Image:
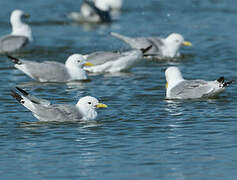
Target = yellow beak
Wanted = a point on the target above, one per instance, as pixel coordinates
(88, 64)
(187, 43)
(166, 85)
(100, 105)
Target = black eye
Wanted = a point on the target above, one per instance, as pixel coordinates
(89, 102)
(78, 61)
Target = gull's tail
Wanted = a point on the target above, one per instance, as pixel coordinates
(22, 91)
(14, 59)
(27, 100)
(22, 99)
(224, 83)
(17, 97)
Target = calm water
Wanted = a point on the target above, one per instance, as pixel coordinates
(140, 135)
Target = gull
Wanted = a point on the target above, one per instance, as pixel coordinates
(20, 35)
(161, 47)
(179, 88)
(52, 71)
(112, 62)
(84, 110)
(89, 13)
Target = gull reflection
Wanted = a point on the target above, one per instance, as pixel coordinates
(174, 108)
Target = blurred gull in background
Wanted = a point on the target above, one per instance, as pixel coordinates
(20, 35)
(89, 13)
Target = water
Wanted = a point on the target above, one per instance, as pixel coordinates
(141, 135)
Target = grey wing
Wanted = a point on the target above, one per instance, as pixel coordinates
(70, 112)
(11, 43)
(39, 100)
(156, 43)
(58, 112)
(136, 43)
(142, 43)
(45, 71)
(101, 57)
(191, 89)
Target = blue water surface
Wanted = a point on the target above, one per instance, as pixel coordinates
(140, 135)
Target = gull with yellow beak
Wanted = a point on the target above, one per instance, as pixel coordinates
(112, 62)
(84, 110)
(179, 88)
(162, 48)
(52, 71)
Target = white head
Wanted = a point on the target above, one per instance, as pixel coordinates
(173, 77)
(75, 60)
(19, 27)
(173, 42)
(74, 65)
(87, 106)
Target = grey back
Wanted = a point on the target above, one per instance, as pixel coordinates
(11, 43)
(191, 89)
(48, 71)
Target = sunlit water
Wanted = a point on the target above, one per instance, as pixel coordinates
(141, 135)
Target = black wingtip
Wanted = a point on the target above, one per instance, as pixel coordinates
(14, 59)
(17, 97)
(22, 91)
(144, 50)
(221, 79)
(228, 83)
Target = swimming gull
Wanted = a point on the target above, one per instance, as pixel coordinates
(20, 35)
(43, 110)
(51, 71)
(89, 13)
(179, 88)
(114, 61)
(161, 47)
